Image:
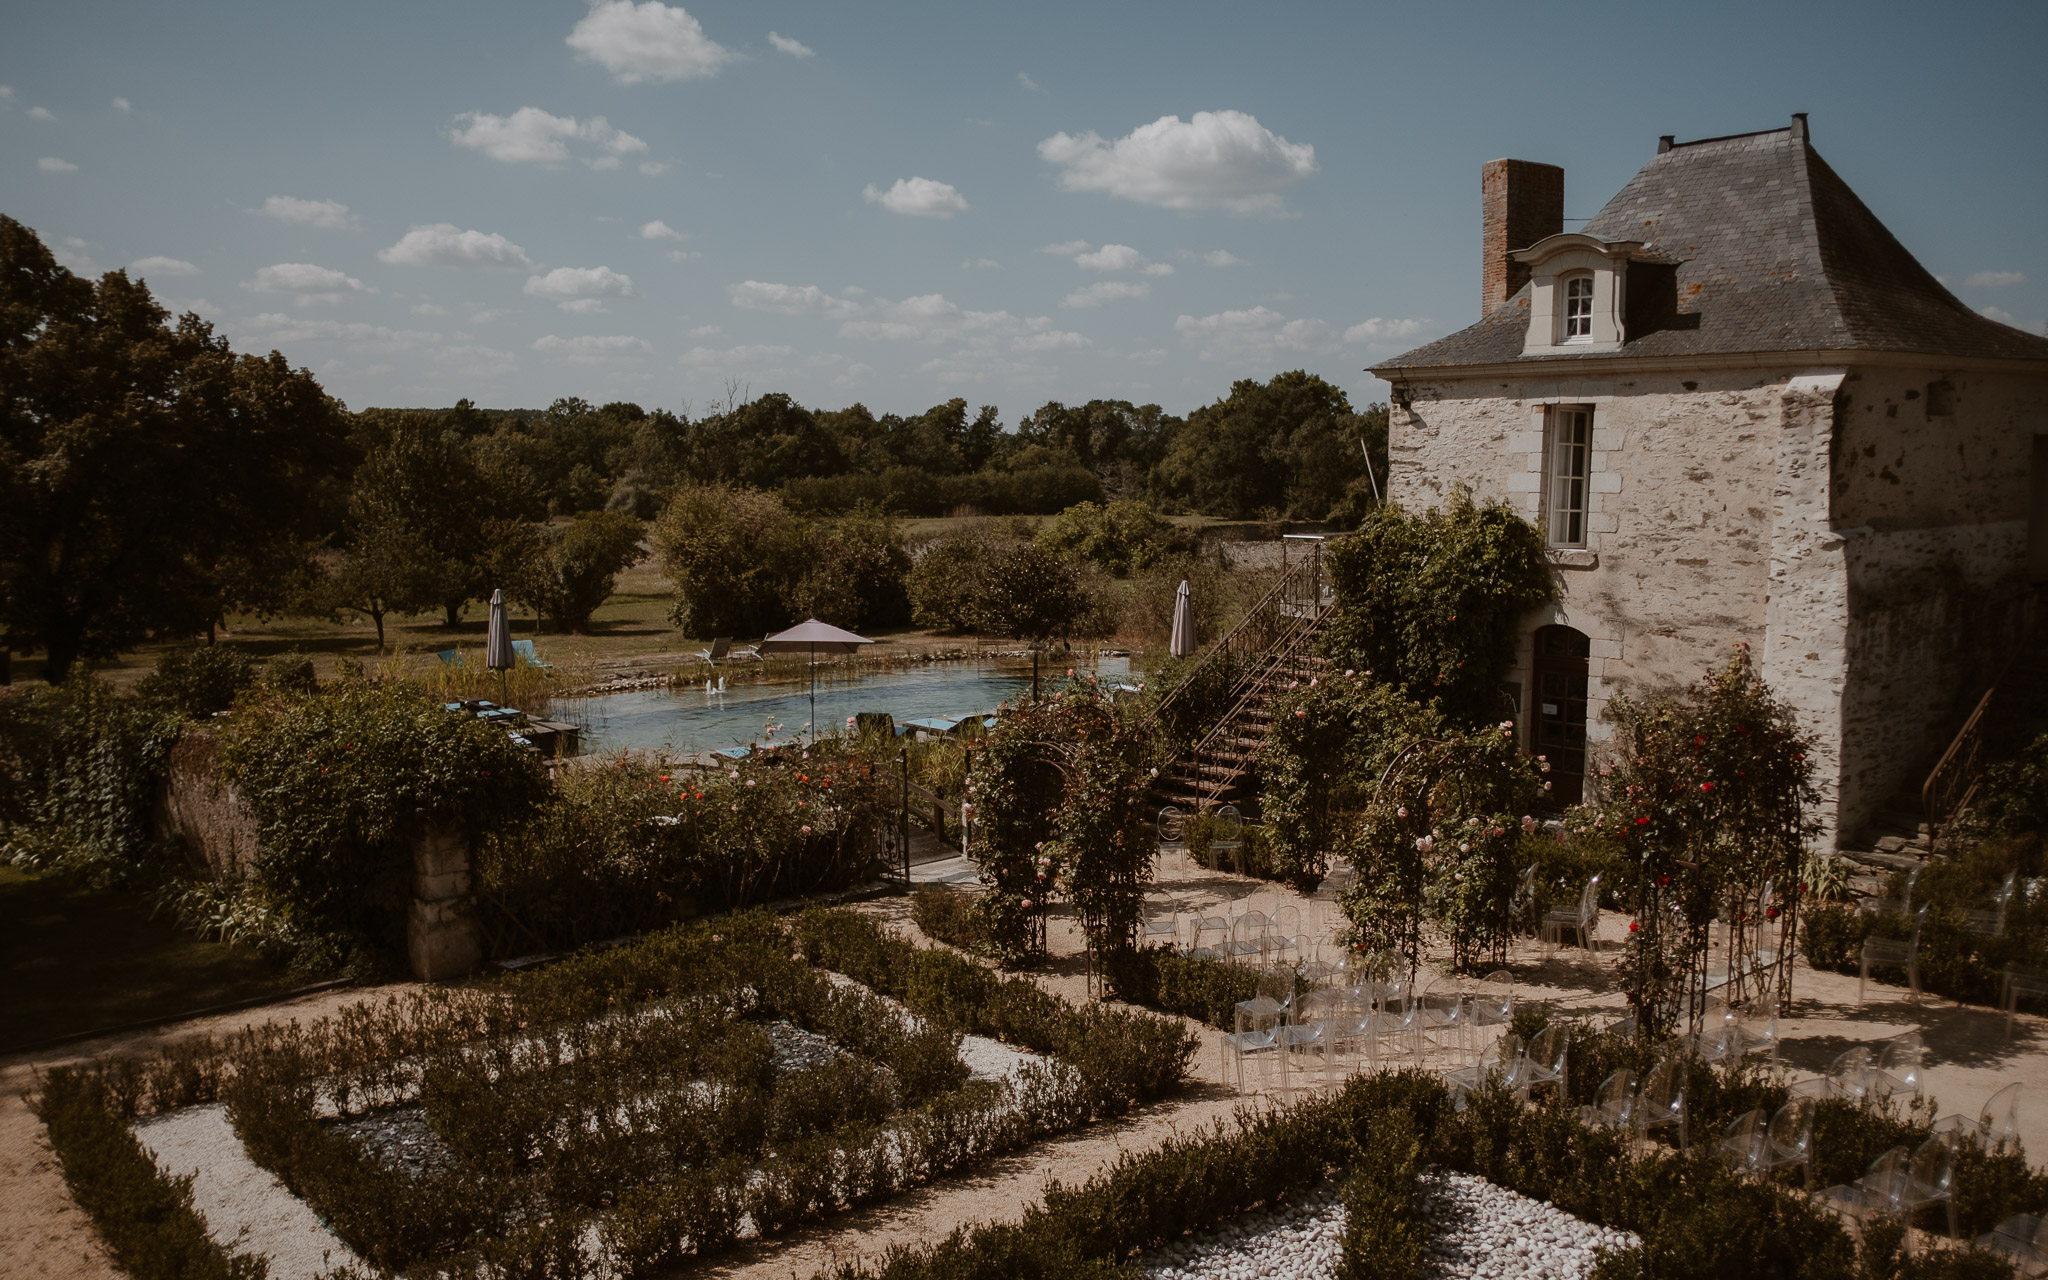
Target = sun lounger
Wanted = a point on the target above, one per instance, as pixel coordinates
(524, 649)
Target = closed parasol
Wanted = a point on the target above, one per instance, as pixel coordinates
(498, 655)
(1183, 623)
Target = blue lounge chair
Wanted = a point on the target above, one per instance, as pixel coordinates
(450, 658)
(524, 649)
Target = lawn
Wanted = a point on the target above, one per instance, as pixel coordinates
(79, 959)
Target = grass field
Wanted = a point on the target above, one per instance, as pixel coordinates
(74, 959)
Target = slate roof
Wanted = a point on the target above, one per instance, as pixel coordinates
(1772, 252)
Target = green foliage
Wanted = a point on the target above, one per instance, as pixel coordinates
(289, 672)
(729, 552)
(628, 844)
(417, 518)
(342, 783)
(1290, 445)
(79, 770)
(197, 681)
(1122, 538)
(913, 491)
(1440, 840)
(146, 1219)
(2012, 800)
(1432, 602)
(150, 477)
(948, 916)
(1384, 1229)
(1321, 763)
(998, 587)
(1709, 797)
(571, 570)
(1192, 986)
(854, 573)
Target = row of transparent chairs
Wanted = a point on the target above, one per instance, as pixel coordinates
(1757, 1142)
(1900, 1182)
(1659, 1103)
(1857, 1074)
(1323, 1021)
(2024, 1239)
(1518, 1067)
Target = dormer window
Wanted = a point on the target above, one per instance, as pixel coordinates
(1577, 286)
(1578, 309)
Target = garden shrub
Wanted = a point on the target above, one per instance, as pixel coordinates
(1384, 1230)
(197, 680)
(1193, 986)
(146, 1219)
(948, 916)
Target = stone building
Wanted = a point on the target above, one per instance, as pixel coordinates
(1740, 410)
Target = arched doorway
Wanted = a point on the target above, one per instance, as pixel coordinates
(1560, 671)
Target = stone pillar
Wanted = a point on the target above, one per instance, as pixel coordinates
(1804, 656)
(440, 934)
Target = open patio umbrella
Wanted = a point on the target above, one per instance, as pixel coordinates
(498, 655)
(1183, 644)
(814, 637)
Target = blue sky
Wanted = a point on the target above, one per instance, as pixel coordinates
(901, 203)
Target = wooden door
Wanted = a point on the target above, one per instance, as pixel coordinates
(1560, 671)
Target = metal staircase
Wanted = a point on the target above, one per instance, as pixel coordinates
(1223, 709)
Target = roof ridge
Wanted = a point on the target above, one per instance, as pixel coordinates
(1728, 137)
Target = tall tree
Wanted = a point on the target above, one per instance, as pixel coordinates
(1288, 446)
(149, 476)
(417, 513)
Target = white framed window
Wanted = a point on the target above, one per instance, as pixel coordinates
(1567, 464)
(1578, 309)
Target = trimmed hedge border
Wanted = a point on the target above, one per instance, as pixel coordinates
(1105, 1061)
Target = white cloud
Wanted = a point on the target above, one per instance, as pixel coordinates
(980, 264)
(326, 215)
(306, 281)
(273, 326)
(707, 331)
(41, 113)
(789, 299)
(532, 136)
(651, 41)
(680, 256)
(1027, 82)
(443, 244)
(794, 48)
(52, 164)
(472, 361)
(1254, 334)
(653, 168)
(1215, 257)
(1154, 356)
(1999, 314)
(845, 370)
(122, 104)
(1067, 248)
(1218, 159)
(490, 315)
(6, 95)
(659, 230)
(428, 309)
(72, 256)
(918, 197)
(592, 349)
(160, 266)
(579, 290)
(1378, 329)
(1106, 291)
(1121, 257)
(706, 358)
(1047, 340)
(1995, 279)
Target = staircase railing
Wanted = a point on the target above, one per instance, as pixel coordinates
(1954, 780)
(1233, 660)
(1283, 653)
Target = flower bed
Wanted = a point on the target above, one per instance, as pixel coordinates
(629, 1109)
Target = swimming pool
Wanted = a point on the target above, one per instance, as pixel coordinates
(686, 719)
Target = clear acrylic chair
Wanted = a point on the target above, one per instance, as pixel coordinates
(1400, 1021)
(1742, 1143)
(1309, 1042)
(2023, 1238)
(1992, 922)
(1847, 1078)
(1894, 954)
(1579, 919)
(1212, 928)
(1256, 1037)
(1997, 1122)
(1503, 1059)
(1930, 1179)
(1893, 906)
(1163, 927)
(1493, 1001)
(1614, 1103)
(1522, 905)
(1549, 1053)
(1789, 1138)
(2020, 980)
(1446, 1015)
(1897, 1069)
(1662, 1102)
(1760, 1035)
(1882, 1190)
(1720, 1035)
(1247, 937)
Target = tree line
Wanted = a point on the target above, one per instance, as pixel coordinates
(154, 482)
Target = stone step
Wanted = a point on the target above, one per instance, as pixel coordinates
(1888, 861)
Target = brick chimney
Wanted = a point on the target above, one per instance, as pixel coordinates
(1523, 202)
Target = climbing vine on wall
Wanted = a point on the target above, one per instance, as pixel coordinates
(1432, 601)
(1058, 794)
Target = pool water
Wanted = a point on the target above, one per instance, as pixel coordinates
(685, 719)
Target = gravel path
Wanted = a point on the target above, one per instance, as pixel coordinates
(245, 1207)
(1478, 1232)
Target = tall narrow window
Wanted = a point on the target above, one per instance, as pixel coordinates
(1578, 309)
(1571, 448)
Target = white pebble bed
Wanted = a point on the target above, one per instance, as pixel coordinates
(245, 1208)
(1477, 1232)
